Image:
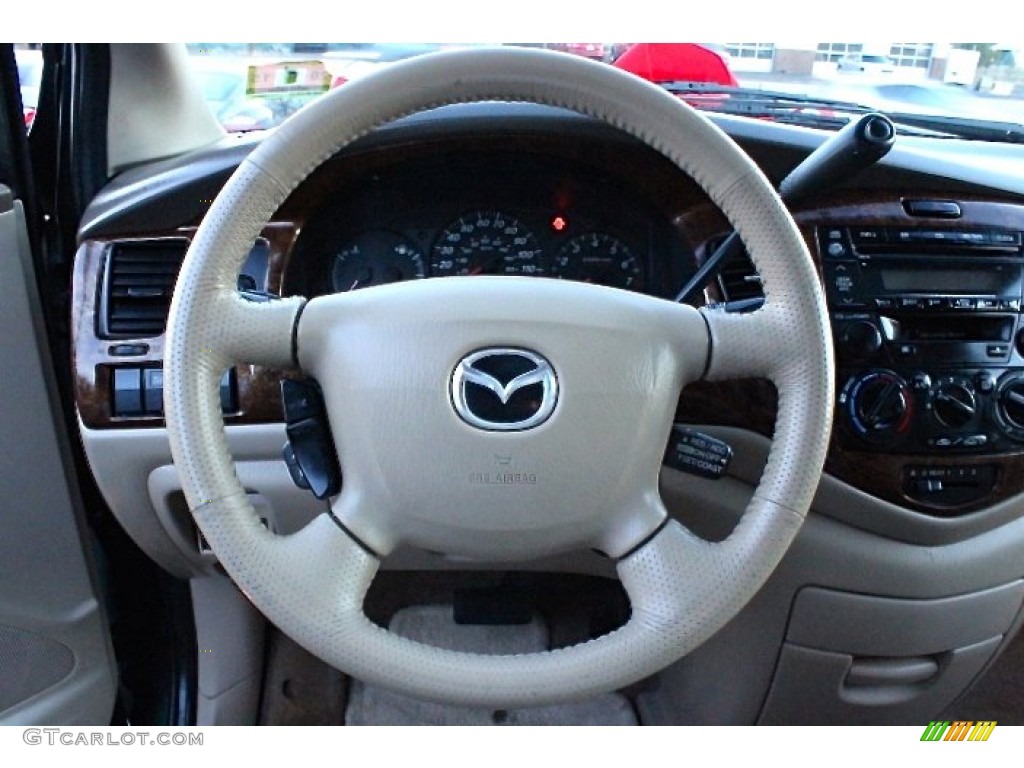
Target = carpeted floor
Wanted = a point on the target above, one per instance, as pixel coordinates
(434, 625)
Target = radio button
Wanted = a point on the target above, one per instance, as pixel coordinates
(937, 235)
(842, 279)
(848, 302)
(986, 382)
(868, 235)
(973, 238)
(1005, 238)
(922, 381)
(910, 303)
(834, 243)
(860, 340)
(885, 303)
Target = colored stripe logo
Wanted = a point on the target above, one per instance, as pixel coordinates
(958, 730)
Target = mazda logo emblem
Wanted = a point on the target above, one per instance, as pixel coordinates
(504, 390)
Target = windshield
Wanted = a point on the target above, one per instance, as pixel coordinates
(256, 86)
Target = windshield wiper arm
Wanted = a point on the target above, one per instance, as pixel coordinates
(741, 99)
(964, 127)
(816, 112)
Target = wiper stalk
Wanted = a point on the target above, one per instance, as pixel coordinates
(860, 144)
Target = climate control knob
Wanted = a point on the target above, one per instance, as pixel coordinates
(879, 406)
(1010, 405)
(954, 403)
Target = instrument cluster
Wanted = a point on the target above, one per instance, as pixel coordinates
(488, 216)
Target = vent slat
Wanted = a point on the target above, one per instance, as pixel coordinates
(139, 286)
(739, 280)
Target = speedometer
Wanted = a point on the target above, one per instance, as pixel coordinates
(599, 258)
(486, 243)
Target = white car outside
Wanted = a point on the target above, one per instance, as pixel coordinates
(868, 63)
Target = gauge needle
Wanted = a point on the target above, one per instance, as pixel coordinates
(364, 277)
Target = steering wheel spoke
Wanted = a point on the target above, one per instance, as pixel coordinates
(236, 330)
(718, 576)
(754, 345)
(319, 567)
(259, 332)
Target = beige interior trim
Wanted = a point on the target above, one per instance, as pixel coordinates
(156, 109)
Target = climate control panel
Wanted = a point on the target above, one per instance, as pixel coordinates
(943, 411)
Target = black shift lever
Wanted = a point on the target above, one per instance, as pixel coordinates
(858, 145)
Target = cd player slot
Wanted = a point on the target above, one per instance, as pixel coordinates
(931, 328)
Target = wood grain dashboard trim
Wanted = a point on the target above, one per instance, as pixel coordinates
(93, 363)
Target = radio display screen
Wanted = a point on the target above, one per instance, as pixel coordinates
(942, 280)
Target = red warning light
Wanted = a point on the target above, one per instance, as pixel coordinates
(558, 224)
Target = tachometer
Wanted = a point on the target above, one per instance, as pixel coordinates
(376, 257)
(486, 243)
(599, 258)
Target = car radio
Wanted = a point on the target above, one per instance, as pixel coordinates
(928, 338)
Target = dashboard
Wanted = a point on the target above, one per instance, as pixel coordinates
(922, 262)
(930, 369)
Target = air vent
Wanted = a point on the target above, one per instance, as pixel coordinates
(138, 286)
(739, 280)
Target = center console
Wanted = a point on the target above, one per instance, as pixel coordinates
(929, 349)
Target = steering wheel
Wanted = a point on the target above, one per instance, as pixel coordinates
(498, 418)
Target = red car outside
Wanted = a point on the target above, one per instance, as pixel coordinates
(668, 62)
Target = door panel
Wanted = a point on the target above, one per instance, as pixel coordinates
(56, 660)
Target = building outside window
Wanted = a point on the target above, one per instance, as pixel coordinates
(916, 55)
(751, 50)
(833, 52)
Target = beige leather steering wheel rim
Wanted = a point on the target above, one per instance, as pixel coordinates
(682, 589)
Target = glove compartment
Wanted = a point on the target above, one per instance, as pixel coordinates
(861, 659)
